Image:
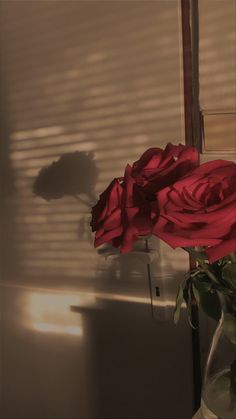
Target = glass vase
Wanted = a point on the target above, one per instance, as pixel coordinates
(219, 385)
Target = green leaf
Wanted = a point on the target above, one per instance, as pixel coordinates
(196, 273)
(202, 286)
(186, 289)
(179, 300)
(196, 294)
(209, 300)
(229, 326)
(189, 307)
(229, 274)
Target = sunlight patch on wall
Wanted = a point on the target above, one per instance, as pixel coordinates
(37, 133)
(50, 313)
(55, 328)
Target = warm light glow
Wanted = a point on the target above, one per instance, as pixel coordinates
(39, 132)
(50, 313)
(55, 328)
(80, 299)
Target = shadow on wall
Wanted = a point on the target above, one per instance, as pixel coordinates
(96, 362)
(8, 191)
(72, 175)
(132, 378)
(101, 77)
(96, 76)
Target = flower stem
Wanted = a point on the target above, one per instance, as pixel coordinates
(149, 279)
(204, 268)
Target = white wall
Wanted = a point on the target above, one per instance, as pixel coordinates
(104, 77)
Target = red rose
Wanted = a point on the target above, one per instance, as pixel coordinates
(200, 210)
(122, 214)
(158, 168)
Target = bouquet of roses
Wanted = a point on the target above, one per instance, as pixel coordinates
(168, 194)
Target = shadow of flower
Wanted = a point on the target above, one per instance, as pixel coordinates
(71, 175)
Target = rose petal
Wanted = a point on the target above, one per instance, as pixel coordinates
(107, 236)
(225, 247)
